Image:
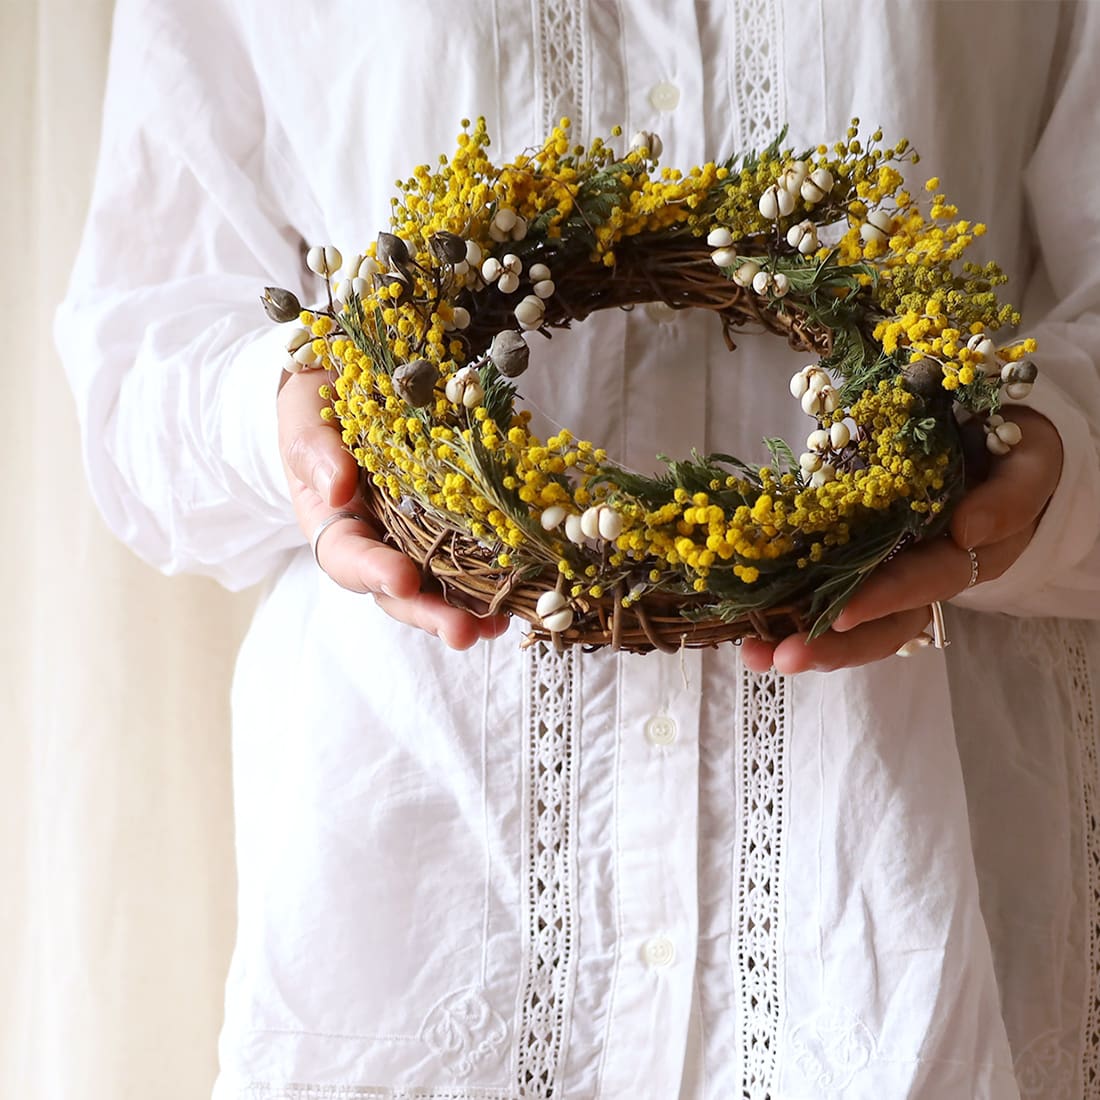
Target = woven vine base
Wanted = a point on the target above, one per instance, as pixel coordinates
(471, 579)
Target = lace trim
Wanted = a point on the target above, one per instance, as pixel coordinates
(548, 861)
(1084, 725)
(261, 1091)
(760, 750)
(560, 40)
(754, 71)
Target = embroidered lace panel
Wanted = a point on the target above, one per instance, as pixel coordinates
(760, 745)
(754, 72)
(548, 858)
(1084, 724)
(559, 27)
(259, 1091)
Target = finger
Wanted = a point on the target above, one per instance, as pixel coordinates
(313, 451)
(870, 642)
(931, 571)
(428, 611)
(351, 553)
(1018, 486)
(756, 654)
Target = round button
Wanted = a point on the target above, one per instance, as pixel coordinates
(658, 951)
(660, 730)
(660, 312)
(664, 96)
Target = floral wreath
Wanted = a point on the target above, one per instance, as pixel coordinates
(423, 338)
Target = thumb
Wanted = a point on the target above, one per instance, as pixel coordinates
(1019, 485)
(313, 451)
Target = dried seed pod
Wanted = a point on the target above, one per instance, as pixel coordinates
(392, 250)
(448, 248)
(324, 260)
(924, 377)
(719, 237)
(509, 353)
(508, 283)
(1023, 371)
(552, 517)
(280, 305)
(415, 382)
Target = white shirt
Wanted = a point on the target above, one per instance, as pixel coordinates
(500, 873)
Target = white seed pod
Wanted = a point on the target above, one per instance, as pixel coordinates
(817, 185)
(823, 475)
(724, 257)
(511, 262)
(538, 272)
(473, 253)
(762, 282)
(793, 175)
(360, 287)
(803, 236)
(508, 283)
(368, 268)
(1022, 371)
(809, 462)
(460, 383)
(544, 288)
(519, 230)
(986, 350)
(461, 317)
(818, 440)
(811, 403)
(497, 234)
(800, 383)
(645, 139)
(460, 268)
(552, 517)
(324, 260)
(745, 274)
(292, 366)
(780, 284)
(590, 522)
(816, 378)
(297, 338)
(554, 611)
(882, 219)
(1008, 432)
(995, 445)
(840, 435)
(1017, 391)
(504, 219)
(775, 203)
(491, 269)
(719, 237)
(306, 355)
(830, 399)
(611, 523)
(573, 530)
(530, 310)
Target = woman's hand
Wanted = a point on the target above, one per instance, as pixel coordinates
(996, 518)
(323, 479)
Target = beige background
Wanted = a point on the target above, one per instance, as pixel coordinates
(116, 863)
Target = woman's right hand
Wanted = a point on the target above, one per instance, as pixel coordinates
(324, 479)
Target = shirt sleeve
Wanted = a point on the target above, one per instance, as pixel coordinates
(172, 362)
(1059, 572)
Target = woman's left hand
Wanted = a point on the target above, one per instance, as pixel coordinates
(996, 519)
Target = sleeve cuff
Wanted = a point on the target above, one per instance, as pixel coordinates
(1068, 530)
(250, 428)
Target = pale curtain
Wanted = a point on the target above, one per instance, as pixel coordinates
(117, 888)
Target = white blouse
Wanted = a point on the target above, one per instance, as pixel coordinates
(502, 873)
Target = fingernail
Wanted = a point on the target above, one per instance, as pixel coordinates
(387, 591)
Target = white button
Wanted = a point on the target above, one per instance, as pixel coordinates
(658, 951)
(661, 730)
(664, 96)
(660, 312)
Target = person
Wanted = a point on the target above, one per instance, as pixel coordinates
(470, 869)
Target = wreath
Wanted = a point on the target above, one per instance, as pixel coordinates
(424, 336)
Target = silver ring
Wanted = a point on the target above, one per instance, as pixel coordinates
(325, 524)
(973, 567)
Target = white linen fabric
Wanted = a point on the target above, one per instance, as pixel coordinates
(504, 873)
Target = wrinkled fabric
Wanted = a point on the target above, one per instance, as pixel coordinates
(503, 873)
